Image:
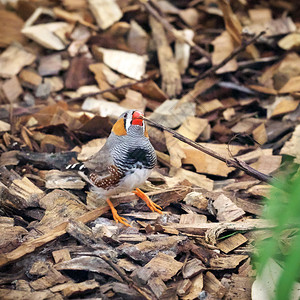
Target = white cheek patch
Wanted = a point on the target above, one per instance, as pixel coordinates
(127, 122)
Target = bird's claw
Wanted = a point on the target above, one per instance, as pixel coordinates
(153, 206)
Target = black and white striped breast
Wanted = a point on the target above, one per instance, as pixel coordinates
(134, 154)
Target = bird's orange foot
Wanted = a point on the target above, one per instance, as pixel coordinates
(116, 217)
(153, 206)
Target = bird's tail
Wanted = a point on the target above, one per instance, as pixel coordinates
(77, 167)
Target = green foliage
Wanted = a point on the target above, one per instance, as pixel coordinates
(283, 210)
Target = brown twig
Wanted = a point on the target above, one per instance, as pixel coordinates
(235, 163)
(128, 280)
(234, 53)
(171, 29)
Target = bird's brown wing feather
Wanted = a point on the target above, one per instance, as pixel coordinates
(100, 162)
(106, 182)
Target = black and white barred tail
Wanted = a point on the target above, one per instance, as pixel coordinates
(77, 167)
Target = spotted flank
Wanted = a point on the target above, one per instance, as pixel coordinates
(107, 182)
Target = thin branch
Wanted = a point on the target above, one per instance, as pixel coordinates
(128, 280)
(175, 32)
(235, 163)
(234, 53)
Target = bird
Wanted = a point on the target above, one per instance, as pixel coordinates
(123, 164)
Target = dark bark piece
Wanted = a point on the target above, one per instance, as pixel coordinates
(79, 74)
(88, 263)
(47, 160)
(193, 267)
(11, 235)
(213, 286)
(145, 251)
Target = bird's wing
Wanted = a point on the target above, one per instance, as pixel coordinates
(100, 162)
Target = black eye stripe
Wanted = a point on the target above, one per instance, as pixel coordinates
(131, 117)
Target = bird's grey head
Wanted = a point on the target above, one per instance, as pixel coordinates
(130, 123)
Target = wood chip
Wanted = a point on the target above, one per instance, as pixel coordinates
(12, 89)
(285, 106)
(260, 134)
(227, 262)
(194, 178)
(290, 41)
(11, 235)
(157, 286)
(60, 206)
(13, 59)
(207, 107)
(192, 219)
(134, 100)
(234, 27)
(207, 164)
(30, 78)
(145, 251)
(44, 34)
(231, 243)
(80, 288)
(13, 294)
(52, 278)
(195, 289)
(61, 255)
(106, 12)
(171, 80)
(128, 64)
(88, 263)
(192, 127)
(26, 190)
(165, 266)
(196, 199)
(267, 164)
(138, 38)
(291, 86)
(50, 65)
(13, 25)
(213, 286)
(172, 113)
(226, 209)
(193, 267)
(64, 180)
(175, 150)
(4, 127)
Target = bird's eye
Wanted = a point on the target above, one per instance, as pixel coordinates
(125, 116)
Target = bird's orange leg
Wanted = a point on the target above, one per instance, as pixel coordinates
(153, 206)
(115, 214)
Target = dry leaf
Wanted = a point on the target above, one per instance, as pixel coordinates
(285, 106)
(192, 127)
(291, 147)
(223, 46)
(175, 150)
(234, 27)
(293, 85)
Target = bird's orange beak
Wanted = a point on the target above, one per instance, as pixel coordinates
(137, 118)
